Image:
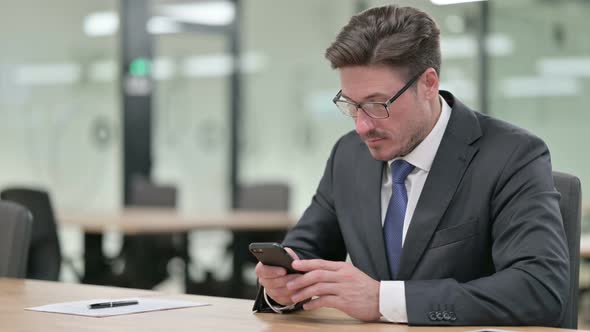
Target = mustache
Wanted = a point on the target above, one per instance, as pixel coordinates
(373, 134)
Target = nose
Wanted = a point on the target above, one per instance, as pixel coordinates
(363, 123)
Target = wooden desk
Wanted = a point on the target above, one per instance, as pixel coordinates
(166, 220)
(224, 314)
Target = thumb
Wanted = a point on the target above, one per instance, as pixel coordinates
(292, 253)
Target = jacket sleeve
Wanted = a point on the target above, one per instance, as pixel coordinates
(529, 252)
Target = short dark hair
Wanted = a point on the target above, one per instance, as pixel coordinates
(401, 37)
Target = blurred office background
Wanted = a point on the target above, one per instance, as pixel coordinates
(62, 77)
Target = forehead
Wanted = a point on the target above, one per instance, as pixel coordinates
(358, 82)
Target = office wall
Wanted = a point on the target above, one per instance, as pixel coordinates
(191, 119)
(544, 83)
(59, 103)
(290, 123)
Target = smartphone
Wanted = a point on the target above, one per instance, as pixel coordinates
(272, 253)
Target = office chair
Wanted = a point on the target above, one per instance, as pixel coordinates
(146, 257)
(271, 196)
(570, 206)
(44, 260)
(16, 223)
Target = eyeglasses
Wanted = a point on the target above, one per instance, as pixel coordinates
(374, 110)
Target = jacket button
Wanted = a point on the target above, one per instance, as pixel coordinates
(432, 315)
(446, 315)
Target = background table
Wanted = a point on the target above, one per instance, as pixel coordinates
(134, 221)
(167, 220)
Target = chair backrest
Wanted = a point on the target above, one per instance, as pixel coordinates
(571, 211)
(146, 256)
(44, 253)
(264, 196)
(146, 193)
(268, 196)
(15, 236)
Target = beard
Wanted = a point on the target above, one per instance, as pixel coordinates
(417, 136)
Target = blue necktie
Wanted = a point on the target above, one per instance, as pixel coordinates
(393, 226)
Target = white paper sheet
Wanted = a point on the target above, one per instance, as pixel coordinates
(145, 304)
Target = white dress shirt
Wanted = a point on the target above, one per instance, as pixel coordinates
(392, 295)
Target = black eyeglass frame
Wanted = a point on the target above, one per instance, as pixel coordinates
(385, 104)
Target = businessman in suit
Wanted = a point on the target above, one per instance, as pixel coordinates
(450, 217)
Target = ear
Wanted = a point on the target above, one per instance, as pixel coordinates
(429, 83)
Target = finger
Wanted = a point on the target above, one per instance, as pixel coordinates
(280, 282)
(267, 271)
(329, 301)
(279, 292)
(321, 289)
(292, 253)
(282, 296)
(281, 301)
(306, 265)
(314, 277)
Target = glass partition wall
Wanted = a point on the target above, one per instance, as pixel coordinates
(543, 84)
(191, 137)
(59, 103)
(60, 107)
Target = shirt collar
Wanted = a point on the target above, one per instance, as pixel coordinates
(423, 154)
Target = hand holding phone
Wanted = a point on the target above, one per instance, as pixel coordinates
(273, 255)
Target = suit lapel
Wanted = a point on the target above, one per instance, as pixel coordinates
(452, 158)
(368, 179)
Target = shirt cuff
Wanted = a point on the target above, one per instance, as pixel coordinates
(273, 307)
(392, 301)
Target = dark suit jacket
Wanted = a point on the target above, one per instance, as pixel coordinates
(486, 245)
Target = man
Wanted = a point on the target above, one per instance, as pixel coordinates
(448, 216)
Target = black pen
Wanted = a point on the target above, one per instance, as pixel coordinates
(103, 305)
